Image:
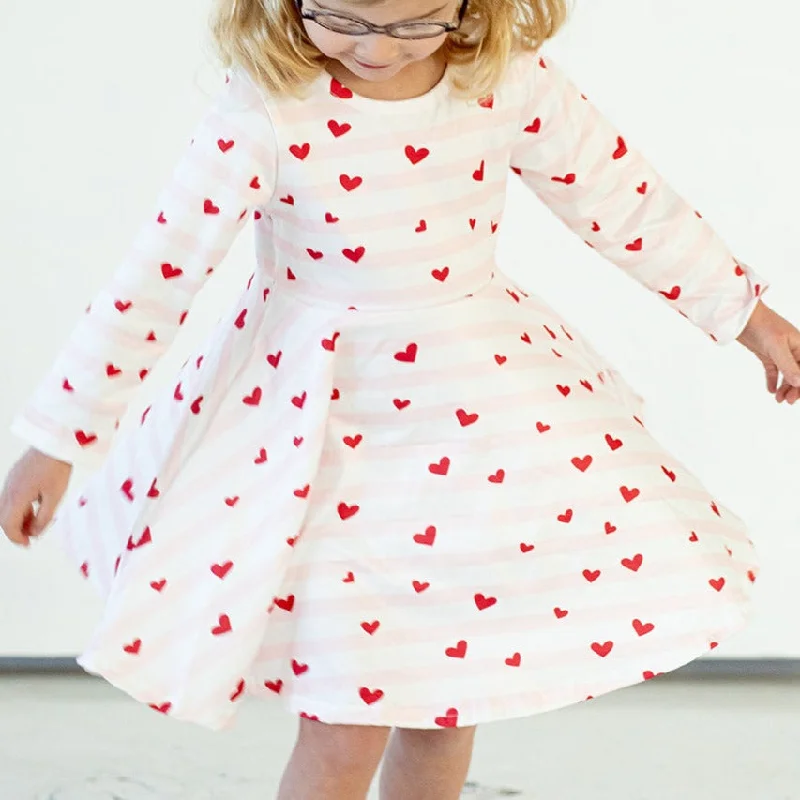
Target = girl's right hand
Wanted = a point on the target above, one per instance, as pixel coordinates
(32, 491)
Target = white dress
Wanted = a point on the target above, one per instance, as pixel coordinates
(392, 488)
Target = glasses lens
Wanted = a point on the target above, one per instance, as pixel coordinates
(341, 24)
(419, 30)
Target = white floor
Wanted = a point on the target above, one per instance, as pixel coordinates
(76, 738)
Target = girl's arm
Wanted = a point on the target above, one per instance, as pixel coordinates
(227, 170)
(580, 166)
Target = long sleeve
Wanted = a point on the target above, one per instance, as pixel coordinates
(579, 165)
(227, 170)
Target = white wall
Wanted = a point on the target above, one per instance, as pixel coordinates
(99, 100)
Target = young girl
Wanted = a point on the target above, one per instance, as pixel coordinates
(393, 489)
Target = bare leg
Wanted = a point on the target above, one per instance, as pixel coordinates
(427, 764)
(334, 762)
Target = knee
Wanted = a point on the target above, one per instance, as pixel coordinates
(343, 748)
(434, 742)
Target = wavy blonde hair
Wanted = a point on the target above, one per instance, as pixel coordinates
(267, 38)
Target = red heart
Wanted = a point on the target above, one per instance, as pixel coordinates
(472, 222)
(285, 604)
(274, 359)
(500, 359)
(195, 406)
(541, 427)
(567, 179)
(642, 628)
(231, 501)
(127, 489)
(483, 602)
(371, 627)
(634, 563)
(526, 548)
(693, 537)
(566, 516)
(486, 102)
(634, 246)
(602, 649)
(534, 127)
(409, 355)
(345, 511)
(289, 200)
(299, 668)
(401, 404)
(441, 274)
(262, 456)
(717, 584)
(302, 493)
(224, 146)
(591, 575)
(673, 294)
(223, 627)
(441, 468)
(112, 371)
(158, 585)
(134, 647)
(466, 419)
(210, 208)
(329, 218)
(122, 307)
(238, 692)
(498, 476)
(560, 613)
(274, 686)
(253, 399)
(621, 149)
(459, 651)
(610, 528)
(582, 463)
(221, 570)
(349, 578)
(300, 400)
(613, 443)
(368, 696)
(420, 586)
(330, 344)
(739, 271)
(353, 441)
(354, 255)
(642, 189)
(315, 254)
(415, 156)
(422, 227)
(629, 494)
(478, 174)
(565, 390)
(300, 151)
(669, 473)
(515, 660)
(161, 218)
(526, 338)
(348, 183)
(338, 129)
(426, 538)
(337, 90)
(449, 720)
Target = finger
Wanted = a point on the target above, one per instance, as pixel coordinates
(787, 364)
(44, 514)
(14, 527)
(772, 377)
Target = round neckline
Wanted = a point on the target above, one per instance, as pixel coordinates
(332, 87)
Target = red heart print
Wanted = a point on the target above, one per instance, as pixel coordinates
(642, 189)
(602, 650)
(415, 156)
(629, 494)
(224, 146)
(330, 344)
(534, 127)
(163, 708)
(566, 516)
(354, 255)
(289, 200)
(300, 151)
(409, 355)
(515, 660)
(342, 92)
(256, 184)
(330, 219)
(542, 428)
(526, 337)
(449, 720)
(369, 696)
(738, 271)
(642, 628)
(178, 394)
(127, 489)
(472, 222)
(169, 272)
(66, 386)
(560, 612)
(494, 226)
(302, 493)
(273, 359)
(441, 274)
(466, 419)
(195, 406)
(231, 501)
(669, 473)
(350, 183)
(441, 467)
(117, 562)
(162, 220)
(595, 227)
(500, 359)
(224, 625)
(621, 150)
(582, 463)
(158, 585)
(353, 441)
(238, 692)
(478, 174)
(613, 443)
(146, 538)
(635, 245)
(568, 179)
(426, 538)
(717, 584)
(349, 578)
(673, 294)
(122, 307)
(565, 390)
(133, 648)
(299, 400)
(239, 322)
(591, 575)
(261, 457)
(715, 509)
(633, 564)
(210, 208)
(345, 511)
(482, 602)
(339, 128)
(112, 371)
(285, 603)
(298, 440)
(315, 254)
(422, 227)
(335, 395)
(498, 476)
(401, 404)
(420, 586)
(486, 102)
(459, 651)
(298, 668)
(254, 398)
(610, 528)
(290, 276)
(693, 537)
(526, 548)
(221, 570)
(371, 627)
(751, 576)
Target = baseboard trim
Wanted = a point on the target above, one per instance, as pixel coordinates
(703, 668)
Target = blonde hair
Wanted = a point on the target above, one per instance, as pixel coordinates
(267, 38)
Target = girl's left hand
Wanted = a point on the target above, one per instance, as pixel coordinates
(776, 343)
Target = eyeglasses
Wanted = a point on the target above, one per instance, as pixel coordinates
(339, 23)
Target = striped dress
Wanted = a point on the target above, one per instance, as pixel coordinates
(392, 487)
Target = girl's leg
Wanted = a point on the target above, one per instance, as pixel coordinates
(427, 764)
(334, 762)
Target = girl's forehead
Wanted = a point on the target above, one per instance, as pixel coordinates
(401, 9)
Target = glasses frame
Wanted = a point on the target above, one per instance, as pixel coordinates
(369, 28)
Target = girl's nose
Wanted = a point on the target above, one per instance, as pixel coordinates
(378, 49)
